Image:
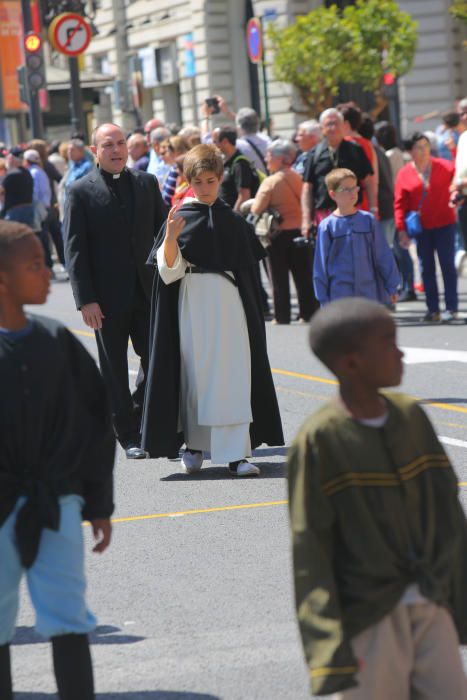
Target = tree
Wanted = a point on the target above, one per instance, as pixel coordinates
(459, 9)
(362, 44)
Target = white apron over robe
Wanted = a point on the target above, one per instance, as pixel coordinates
(215, 363)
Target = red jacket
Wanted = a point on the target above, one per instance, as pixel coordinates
(408, 191)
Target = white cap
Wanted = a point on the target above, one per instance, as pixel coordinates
(32, 156)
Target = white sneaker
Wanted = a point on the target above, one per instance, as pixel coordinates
(244, 468)
(448, 316)
(460, 261)
(192, 461)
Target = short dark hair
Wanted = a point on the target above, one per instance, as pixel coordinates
(386, 135)
(351, 113)
(451, 119)
(11, 232)
(229, 132)
(342, 327)
(414, 138)
(367, 127)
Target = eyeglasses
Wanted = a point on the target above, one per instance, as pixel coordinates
(348, 190)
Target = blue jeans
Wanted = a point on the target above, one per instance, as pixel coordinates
(405, 263)
(441, 240)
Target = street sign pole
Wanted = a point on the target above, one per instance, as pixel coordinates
(255, 48)
(70, 34)
(76, 99)
(267, 117)
(35, 114)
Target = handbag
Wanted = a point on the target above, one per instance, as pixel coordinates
(413, 219)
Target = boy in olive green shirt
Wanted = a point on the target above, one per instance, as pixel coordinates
(379, 535)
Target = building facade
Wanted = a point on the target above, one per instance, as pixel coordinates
(167, 56)
(162, 58)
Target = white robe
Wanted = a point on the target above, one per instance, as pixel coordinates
(215, 364)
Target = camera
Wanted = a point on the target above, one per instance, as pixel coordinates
(302, 242)
(213, 103)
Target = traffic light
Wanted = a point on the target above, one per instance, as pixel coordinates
(34, 62)
(23, 84)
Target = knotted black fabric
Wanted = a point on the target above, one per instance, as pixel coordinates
(219, 240)
(40, 510)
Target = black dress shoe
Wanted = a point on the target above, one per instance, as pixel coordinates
(407, 295)
(134, 451)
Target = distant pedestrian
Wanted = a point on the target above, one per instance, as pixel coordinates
(240, 181)
(111, 217)
(251, 142)
(308, 136)
(352, 255)
(157, 166)
(424, 186)
(138, 152)
(42, 197)
(378, 532)
(55, 468)
(333, 151)
(17, 190)
(281, 192)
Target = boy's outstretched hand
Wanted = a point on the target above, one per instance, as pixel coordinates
(101, 528)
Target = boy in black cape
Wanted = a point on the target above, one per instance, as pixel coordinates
(210, 384)
(56, 467)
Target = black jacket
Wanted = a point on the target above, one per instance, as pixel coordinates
(55, 431)
(104, 258)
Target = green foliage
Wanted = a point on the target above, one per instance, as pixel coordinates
(459, 9)
(327, 47)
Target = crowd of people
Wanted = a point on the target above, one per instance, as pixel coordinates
(423, 173)
(156, 230)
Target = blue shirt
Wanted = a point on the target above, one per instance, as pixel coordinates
(353, 259)
(41, 191)
(77, 170)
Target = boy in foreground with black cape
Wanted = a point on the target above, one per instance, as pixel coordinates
(56, 464)
(210, 384)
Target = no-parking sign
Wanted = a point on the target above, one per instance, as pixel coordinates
(254, 40)
(69, 33)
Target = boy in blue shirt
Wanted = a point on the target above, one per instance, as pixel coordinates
(352, 257)
(56, 464)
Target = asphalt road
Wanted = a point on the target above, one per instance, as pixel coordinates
(194, 596)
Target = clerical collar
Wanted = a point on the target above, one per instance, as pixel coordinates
(110, 176)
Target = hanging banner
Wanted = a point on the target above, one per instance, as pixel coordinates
(11, 54)
(189, 67)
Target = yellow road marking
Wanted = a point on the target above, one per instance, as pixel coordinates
(88, 334)
(322, 380)
(155, 516)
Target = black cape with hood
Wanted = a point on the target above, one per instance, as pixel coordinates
(216, 239)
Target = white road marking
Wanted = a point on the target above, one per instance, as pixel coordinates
(415, 356)
(452, 441)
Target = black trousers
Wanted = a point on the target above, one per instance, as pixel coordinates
(53, 224)
(112, 344)
(284, 256)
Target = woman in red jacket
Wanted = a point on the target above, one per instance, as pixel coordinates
(424, 185)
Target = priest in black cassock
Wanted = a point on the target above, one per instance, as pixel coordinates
(111, 217)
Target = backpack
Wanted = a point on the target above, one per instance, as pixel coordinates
(258, 175)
